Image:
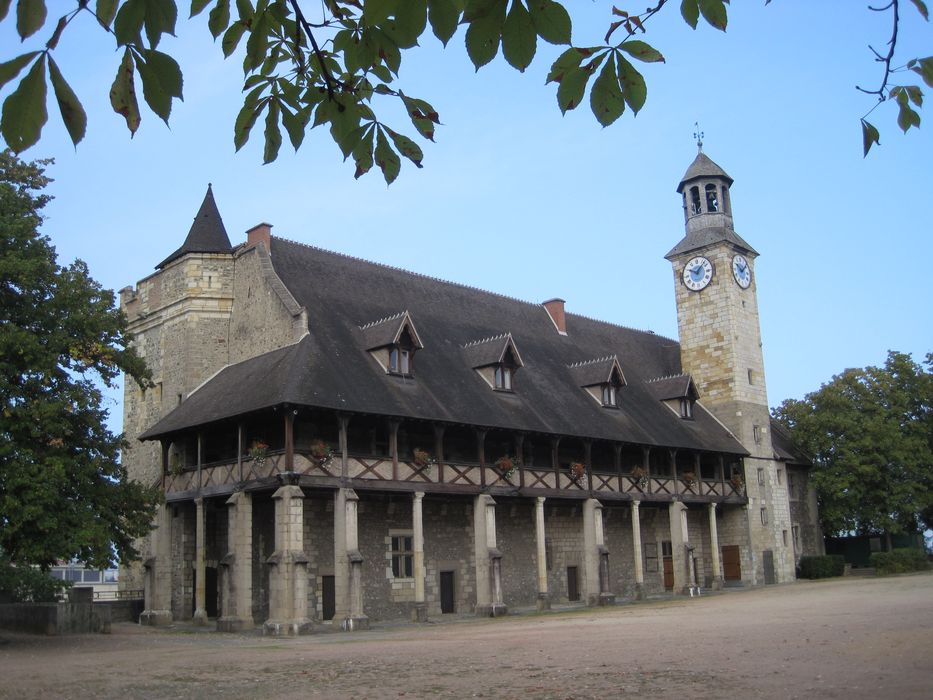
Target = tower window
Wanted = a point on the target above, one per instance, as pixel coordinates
(695, 200)
(751, 377)
(712, 199)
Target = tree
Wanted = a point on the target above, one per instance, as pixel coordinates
(870, 434)
(334, 65)
(63, 492)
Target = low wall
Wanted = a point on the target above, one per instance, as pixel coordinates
(55, 618)
(122, 610)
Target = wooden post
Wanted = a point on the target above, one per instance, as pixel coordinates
(481, 454)
(200, 458)
(519, 439)
(588, 464)
(344, 422)
(617, 461)
(289, 440)
(393, 447)
(240, 437)
(439, 451)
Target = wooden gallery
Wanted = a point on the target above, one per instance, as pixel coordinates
(340, 441)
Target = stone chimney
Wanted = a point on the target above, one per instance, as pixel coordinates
(555, 309)
(260, 232)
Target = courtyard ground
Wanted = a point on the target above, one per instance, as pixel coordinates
(844, 638)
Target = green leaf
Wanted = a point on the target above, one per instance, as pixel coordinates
(519, 39)
(924, 69)
(272, 133)
(12, 68)
(68, 104)
(258, 43)
(244, 123)
(714, 12)
(197, 7)
(30, 16)
(160, 19)
(483, 34)
(634, 87)
(129, 22)
(4, 8)
(690, 11)
(295, 124)
(106, 10)
(232, 38)
(387, 160)
(606, 99)
(642, 51)
(376, 12)
(123, 93)
(444, 16)
(166, 70)
(246, 11)
(922, 9)
(915, 94)
(363, 153)
(24, 112)
(569, 60)
(219, 18)
(407, 147)
(423, 115)
(906, 116)
(161, 79)
(571, 89)
(551, 21)
(411, 18)
(870, 136)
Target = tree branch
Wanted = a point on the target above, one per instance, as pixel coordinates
(886, 60)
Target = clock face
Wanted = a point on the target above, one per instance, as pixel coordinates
(697, 273)
(741, 271)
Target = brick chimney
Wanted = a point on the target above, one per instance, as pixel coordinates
(260, 232)
(555, 309)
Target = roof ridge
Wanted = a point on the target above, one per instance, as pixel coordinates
(620, 325)
(584, 363)
(486, 340)
(410, 272)
(667, 376)
(383, 320)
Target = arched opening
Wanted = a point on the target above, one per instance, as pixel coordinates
(726, 204)
(712, 199)
(695, 207)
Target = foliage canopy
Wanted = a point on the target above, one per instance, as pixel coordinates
(63, 492)
(870, 434)
(337, 64)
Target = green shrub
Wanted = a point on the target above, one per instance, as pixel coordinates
(822, 567)
(25, 584)
(899, 561)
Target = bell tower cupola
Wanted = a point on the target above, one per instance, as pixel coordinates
(705, 192)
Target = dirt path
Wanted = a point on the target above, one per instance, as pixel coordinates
(847, 638)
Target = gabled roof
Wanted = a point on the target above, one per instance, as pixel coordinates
(599, 371)
(331, 368)
(679, 386)
(387, 331)
(703, 166)
(207, 233)
(491, 351)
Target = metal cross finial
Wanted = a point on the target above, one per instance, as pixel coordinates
(698, 135)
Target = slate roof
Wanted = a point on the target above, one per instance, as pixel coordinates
(784, 448)
(330, 368)
(679, 386)
(207, 234)
(491, 351)
(593, 372)
(702, 166)
(708, 236)
(386, 331)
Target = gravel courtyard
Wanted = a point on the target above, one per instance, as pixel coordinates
(844, 638)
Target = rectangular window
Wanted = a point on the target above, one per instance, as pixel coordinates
(91, 576)
(784, 536)
(751, 377)
(402, 556)
(503, 378)
(756, 433)
(780, 476)
(399, 361)
(651, 557)
(686, 408)
(609, 395)
(667, 549)
(761, 476)
(795, 529)
(764, 516)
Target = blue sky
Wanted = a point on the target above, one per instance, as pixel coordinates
(517, 199)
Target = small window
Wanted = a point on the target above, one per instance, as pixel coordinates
(784, 536)
(686, 408)
(667, 549)
(399, 361)
(503, 378)
(695, 200)
(764, 516)
(761, 476)
(651, 556)
(402, 556)
(756, 433)
(751, 377)
(712, 199)
(780, 476)
(610, 395)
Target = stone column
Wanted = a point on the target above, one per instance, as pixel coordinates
(714, 547)
(544, 597)
(200, 570)
(420, 612)
(288, 577)
(636, 552)
(158, 577)
(237, 566)
(488, 559)
(678, 545)
(341, 563)
(356, 620)
(595, 555)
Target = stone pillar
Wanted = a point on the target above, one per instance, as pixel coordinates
(288, 577)
(595, 555)
(677, 515)
(420, 612)
(237, 566)
(488, 559)
(341, 563)
(544, 597)
(356, 620)
(636, 552)
(200, 570)
(158, 577)
(714, 547)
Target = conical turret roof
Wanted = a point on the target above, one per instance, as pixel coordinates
(207, 234)
(703, 166)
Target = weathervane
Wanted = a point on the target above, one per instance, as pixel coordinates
(698, 135)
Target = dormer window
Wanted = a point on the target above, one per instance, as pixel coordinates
(496, 360)
(601, 379)
(610, 396)
(678, 392)
(399, 361)
(393, 342)
(503, 378)
(686, 408)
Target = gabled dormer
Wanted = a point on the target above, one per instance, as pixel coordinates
(601, 379)
(677, 392)
(393, 342)
(496, 360)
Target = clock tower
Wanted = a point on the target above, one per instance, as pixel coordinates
(720, 346)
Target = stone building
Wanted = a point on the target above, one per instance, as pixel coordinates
(341, 441)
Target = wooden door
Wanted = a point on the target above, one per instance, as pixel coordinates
(447, 592)
(731, 563)
(768, 560)
(573, 585)
(328, 598)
